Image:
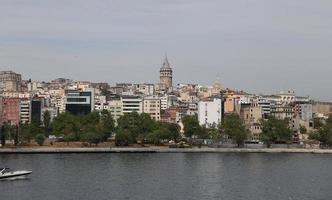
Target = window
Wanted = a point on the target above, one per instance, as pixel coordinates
(76, 100)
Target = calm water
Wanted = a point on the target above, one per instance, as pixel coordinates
(169, 176)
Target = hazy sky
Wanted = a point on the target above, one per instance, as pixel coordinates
(255, 45)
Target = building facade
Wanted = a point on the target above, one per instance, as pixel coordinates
(36, 108)
(131, 103)
(115, 108)
(151, 106)
(79, 103)
(210, 112)
(11, 111)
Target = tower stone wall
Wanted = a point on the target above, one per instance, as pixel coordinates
(166, 75)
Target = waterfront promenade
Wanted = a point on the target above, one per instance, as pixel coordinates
(158, 150)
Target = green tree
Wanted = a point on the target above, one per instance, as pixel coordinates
(191, 126)
(123, 137)
(47, 122)
(234, 128)
(92, 118)
(146, 125)
(136, 124)
(108, 123)
(89, 122)
(92, 137)
(3, 134)
(40, 138)
(8, 131)
(174, 130)
(324, 134)
(318, 123)
(275, 130)
(203, 132)
(158, 135)
(130, 122)
(25, 133)
(16, 134)
(214, 132)
(91, 128)
(303, 129)
(68, 126)
(35, 129)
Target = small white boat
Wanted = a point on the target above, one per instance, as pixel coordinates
(8, 173)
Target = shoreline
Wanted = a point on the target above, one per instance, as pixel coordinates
(157, 150)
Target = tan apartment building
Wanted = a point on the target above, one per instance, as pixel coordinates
(151, 105)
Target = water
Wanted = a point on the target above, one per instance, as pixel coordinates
(169, 176)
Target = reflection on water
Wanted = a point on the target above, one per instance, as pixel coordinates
(192, 176)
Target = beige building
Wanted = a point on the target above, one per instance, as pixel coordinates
(115, 108)
(252, 116)
(10, 81)
(282, 112)
(233, 100)
(324, 108)
(230, 104)
(151, 105)
(189, 97)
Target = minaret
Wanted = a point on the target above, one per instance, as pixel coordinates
(166, 75)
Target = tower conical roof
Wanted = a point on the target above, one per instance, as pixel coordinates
(166, 63)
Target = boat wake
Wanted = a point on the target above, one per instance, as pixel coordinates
(15, 178)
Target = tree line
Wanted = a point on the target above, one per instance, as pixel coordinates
(130, 128)
(273, 130)
(94, 128)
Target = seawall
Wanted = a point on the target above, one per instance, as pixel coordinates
(157, 150)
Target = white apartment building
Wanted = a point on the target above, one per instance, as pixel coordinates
(245, 99)
(59, 103)
(34, 86)
(167, 101)
(145, 88)
(265, 104)
(164, 102)
(306, 112)
(25, 111)
(115, 107)
(286, 98)
(209, 112)
(151, 105)
(131, 103)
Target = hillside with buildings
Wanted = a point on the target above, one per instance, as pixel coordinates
(21, 101)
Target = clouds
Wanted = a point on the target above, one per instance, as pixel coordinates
(257, 45)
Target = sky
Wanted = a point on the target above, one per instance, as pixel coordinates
(260, 46)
